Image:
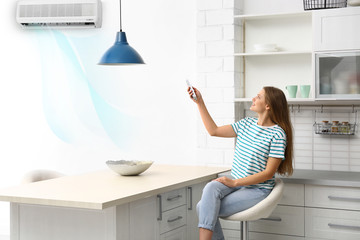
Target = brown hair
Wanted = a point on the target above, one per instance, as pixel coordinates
(279, 114)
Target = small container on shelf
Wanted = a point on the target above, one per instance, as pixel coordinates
(335, 127)
(345, 128)
(325, 127)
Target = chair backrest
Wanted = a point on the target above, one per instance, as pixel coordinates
(264, 208)
(40, 175)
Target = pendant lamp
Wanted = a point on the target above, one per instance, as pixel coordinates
(121, 53)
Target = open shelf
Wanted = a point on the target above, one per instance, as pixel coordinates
(311, 101)
(271, 53)
(290, 101)
(272, 16)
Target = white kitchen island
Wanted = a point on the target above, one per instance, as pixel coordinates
(158, 204)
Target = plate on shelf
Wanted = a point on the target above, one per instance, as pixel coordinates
(266, 50)
(266, 47)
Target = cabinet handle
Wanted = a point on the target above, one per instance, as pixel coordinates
(159, 218)
(344, 199)
(173, 198)
(344, 226)
(174, 219)
(274, 219)
(190, 198)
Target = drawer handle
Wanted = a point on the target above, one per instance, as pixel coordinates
(174, 219)
(344, 199)
(173, 198)
(344, 226)
(273, 219)
(159, 218)
(191, 198)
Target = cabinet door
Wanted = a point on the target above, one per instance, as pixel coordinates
(194, 193)
(143, 223)
(294, 195)
(336, 29)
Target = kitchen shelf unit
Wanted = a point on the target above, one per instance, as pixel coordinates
(312, 101)
(291, 64)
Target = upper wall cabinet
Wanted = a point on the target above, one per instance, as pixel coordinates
(276, 51)
(336, 29)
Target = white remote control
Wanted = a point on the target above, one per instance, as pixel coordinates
(190, 86)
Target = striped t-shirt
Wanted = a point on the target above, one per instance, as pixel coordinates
(254, 145)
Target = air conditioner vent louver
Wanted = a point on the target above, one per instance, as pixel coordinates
(57, 13)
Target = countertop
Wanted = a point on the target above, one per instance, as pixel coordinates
(103, 189)
(316, 177)
(328, 178)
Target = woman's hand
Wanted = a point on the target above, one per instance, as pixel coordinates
(226, 181)
(197, 93)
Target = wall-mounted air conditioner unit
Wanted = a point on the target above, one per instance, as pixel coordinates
(59, 13)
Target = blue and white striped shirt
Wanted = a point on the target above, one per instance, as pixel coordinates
(254, 145)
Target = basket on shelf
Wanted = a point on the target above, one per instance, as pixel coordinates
(328, 130)
(323, 4)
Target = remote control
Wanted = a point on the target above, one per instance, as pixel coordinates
(190, 86)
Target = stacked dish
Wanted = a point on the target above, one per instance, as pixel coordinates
(265, 47)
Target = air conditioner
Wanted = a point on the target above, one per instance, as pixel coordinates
(59, 13)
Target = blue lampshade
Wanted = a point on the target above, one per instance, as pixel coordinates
(121, 53)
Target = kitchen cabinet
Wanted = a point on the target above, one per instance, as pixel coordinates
(336, 29)
(287, 219)
(315, 205)
(289, 64)
(338, 74)
(317, 48)
(332, 212)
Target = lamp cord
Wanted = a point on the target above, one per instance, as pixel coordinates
(120, 18)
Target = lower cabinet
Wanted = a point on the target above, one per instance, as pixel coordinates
(168, 216)
(308, 212)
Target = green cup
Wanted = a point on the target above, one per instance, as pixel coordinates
(292, 89)
(304, 91)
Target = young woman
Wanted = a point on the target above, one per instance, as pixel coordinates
(264, 146)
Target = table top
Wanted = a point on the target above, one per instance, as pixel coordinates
(105, 188)
(319, 177)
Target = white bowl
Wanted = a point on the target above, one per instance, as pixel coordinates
(128, 168)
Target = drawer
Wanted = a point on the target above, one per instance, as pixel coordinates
(232, 225)
(231, 234)
(294, 194)
(172, 219)
(262, 236)
(332, 197)
(332, 224)
(177, 234)
(284, 220)
(173, 199)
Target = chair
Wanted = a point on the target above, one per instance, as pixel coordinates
(40, 175)
(261, 210)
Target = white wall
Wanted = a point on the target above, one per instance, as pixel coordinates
(61, 111)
